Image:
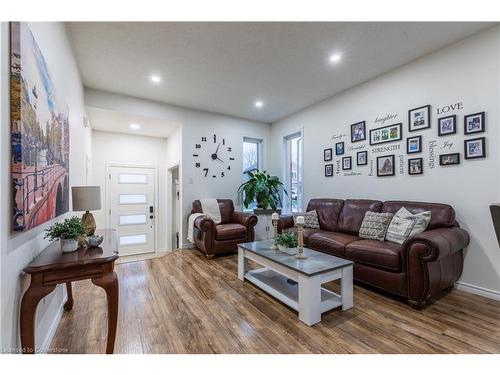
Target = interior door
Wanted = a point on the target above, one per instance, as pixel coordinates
(132, 210)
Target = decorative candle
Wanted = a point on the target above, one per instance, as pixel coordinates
(300, 220)
(274, 219)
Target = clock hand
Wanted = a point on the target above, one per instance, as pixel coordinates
(216, 151)
(220, 160)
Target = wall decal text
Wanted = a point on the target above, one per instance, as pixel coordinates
(432, 154)
(389, 148)
(450, 107)
(385, 118)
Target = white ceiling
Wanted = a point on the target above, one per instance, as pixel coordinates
(119, 122)
(226, 67)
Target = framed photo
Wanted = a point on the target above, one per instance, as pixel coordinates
(415, 166)
(358, 132)
(328, 170)
(390, 133)
(475, 148)
(346, 163)
(362, 158)
(474, 123)
(447, 125)
(339, 148)
(385, 166)
(449, 159)
(419, 118)
(327, 154)
(414, 144)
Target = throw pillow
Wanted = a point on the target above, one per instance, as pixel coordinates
(311, 219)
(374, 225)
(405, 224)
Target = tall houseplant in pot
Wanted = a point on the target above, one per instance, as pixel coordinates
(264, 189)
(67, 233)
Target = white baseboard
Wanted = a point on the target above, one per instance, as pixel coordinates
(187, 245)
(480, 291)
(53, 328)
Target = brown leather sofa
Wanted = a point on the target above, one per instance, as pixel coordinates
(419, 270)
(234, 228)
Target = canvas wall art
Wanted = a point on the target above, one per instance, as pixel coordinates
(39, 136)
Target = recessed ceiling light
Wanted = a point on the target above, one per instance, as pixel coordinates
(259, 104)
(155, 79)
(335, 58)
(135, 126)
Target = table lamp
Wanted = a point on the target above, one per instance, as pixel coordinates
(274, 218)
(87, 198)
(300, 221)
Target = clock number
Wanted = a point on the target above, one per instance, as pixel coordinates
(206, 171)
(197, 165)
(198, 145)
(231, 158)
(223, 141)
(215, 138)
(203, 139)
(222, 174)
(229, 149)
(213, 176)
(195, 155)
(228, 167)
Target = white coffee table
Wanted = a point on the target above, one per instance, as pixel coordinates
(306, 296)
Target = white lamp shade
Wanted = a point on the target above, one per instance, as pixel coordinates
(300, 220)
(86, 198)
(275, 216)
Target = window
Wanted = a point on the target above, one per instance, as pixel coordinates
(252, 160)
(293, 172)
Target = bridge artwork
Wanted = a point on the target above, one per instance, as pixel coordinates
(39, 136)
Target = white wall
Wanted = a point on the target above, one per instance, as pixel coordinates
(194, 124)
(18, 250)
(126, 149)
(466, 72)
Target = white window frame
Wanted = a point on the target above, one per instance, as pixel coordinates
(260, 162)
(287, 199)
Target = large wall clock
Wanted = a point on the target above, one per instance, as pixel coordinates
(213, 156)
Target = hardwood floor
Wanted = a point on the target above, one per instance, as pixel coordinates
(184, 303)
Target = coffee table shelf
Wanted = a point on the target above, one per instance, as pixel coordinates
(277, 285)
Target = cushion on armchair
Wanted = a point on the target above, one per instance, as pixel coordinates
(230, 231)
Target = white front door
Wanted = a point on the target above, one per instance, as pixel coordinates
(131, 207)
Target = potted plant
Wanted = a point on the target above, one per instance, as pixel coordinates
(67, 233)
(264, 189)
(287, 243)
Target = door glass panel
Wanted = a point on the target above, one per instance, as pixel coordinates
(130, 178)
(132, 219)
(133, 199)
(133, 240)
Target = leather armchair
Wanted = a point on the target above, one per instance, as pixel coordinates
(234, 228)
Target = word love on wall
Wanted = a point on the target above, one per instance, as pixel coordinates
(450, 108)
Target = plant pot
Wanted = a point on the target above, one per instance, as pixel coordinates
(68, 245)
(287, 250)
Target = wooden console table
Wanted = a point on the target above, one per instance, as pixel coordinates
(52, 267)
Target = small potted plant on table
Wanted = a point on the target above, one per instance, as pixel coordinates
(67, 233)
(287, 243)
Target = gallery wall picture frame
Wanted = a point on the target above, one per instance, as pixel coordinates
(414, 144)
(474, 123)
(346, 163)
(339, 148)
(362, 158)
(385, 134)
(386, 166)
(447, 125)
(419, 118)
(475, 148)
(358, 132)
(328, 170)
(327, 154)
(415, 166)
(449, 159)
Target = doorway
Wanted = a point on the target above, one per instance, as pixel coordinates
(131, 207)
(176, 208)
